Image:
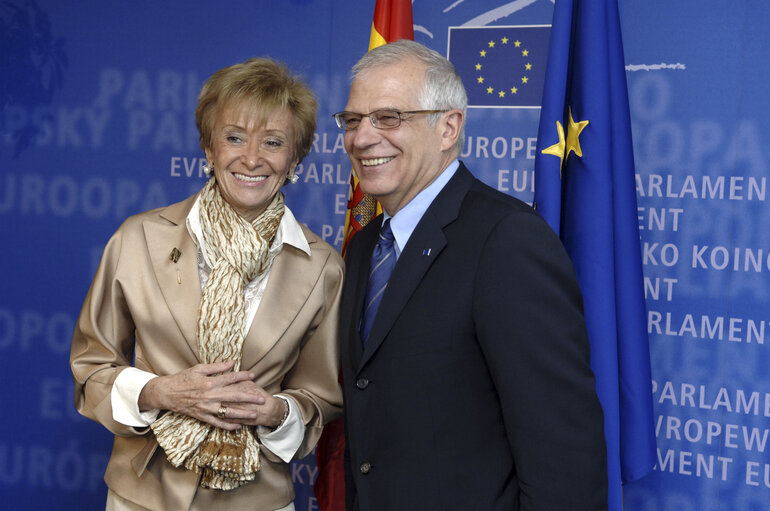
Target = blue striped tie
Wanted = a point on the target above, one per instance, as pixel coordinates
(383, 262)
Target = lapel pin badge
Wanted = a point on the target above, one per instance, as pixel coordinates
(426, 252)
(174, 256)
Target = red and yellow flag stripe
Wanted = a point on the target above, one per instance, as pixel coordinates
(392, 21)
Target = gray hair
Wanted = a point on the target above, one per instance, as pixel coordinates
(443, 88)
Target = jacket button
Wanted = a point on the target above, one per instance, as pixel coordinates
(366, 467)
(362, 383)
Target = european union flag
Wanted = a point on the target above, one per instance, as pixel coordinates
(500, 66)
(584, 188)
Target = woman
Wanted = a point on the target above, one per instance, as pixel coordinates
(228, 308)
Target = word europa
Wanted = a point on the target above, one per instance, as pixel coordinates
(64, 196)
(499, 147)
(92, 197)
(40, 467)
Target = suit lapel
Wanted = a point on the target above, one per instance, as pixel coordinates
(281, 303)
(424, 246)
(179, 281)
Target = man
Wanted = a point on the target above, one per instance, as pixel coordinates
(471, 388)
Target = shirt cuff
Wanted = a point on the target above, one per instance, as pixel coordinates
(125, 398)
(284, 441)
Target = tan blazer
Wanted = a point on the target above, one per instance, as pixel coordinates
(142, 306)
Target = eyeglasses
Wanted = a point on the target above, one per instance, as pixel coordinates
(381, 119)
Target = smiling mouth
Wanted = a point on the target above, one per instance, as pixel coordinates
(249, 179)
(376, 161)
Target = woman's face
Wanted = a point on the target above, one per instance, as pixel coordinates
(251, 162)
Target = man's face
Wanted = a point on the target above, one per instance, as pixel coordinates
(394, 165)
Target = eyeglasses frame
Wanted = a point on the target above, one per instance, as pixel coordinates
(372, 119)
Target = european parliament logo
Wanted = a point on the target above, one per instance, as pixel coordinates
(501, 66)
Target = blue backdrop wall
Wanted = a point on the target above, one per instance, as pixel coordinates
(96, 123)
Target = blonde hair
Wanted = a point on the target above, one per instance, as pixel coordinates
(265, 86)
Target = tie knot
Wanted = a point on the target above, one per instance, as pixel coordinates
(386, 234)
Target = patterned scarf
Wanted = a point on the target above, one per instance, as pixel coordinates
(239, 252)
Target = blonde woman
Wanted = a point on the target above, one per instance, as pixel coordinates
(207, 342)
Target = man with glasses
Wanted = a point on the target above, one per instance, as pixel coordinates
(466, 372)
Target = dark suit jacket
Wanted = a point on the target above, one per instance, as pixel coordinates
(474, 391)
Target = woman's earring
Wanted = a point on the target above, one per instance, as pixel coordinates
(293, 179)
(207, 169)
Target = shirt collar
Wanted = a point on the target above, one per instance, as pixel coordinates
(407, 218)
(289, 231)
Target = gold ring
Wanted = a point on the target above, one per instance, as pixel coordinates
(222, 412)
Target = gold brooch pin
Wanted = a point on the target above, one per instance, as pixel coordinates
(175, 253)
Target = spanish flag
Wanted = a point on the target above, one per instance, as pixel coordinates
(392, 21)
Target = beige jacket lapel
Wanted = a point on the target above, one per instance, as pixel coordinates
(179, 281)
(291, 280)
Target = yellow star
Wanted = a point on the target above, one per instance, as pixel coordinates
(524, 79)
(491, 44)
(528, 66)
(514, 90)
(558, 148)
(573, 134)
(517, 43)
(501, 93)
(504, 40)
(483, 53)
(480, 79)
(478, 67)
(525, 52)
(490, 90)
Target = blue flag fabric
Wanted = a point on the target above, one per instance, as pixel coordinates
(501, 66)
(584, 188)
